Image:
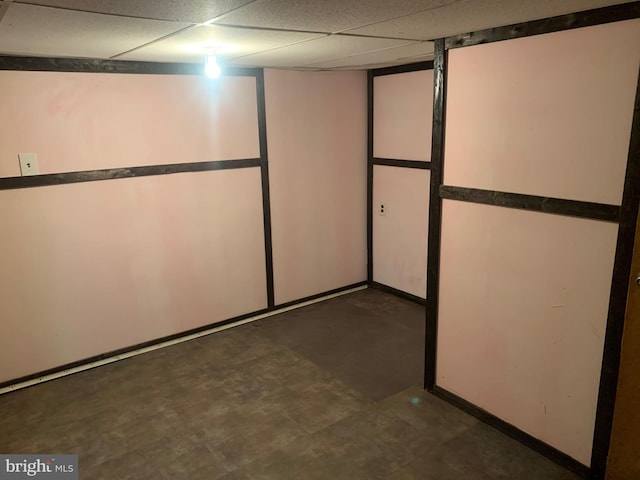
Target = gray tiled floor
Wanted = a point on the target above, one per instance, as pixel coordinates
(329, 391)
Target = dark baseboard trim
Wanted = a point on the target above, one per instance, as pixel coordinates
(175, 336)
(398, 293)
(588, 18)
(409, 67)
(392, 162)
(51, 179)
(320, 295)
(539, 446)
(573, 208)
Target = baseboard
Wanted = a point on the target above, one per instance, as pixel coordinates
(325, 295)
(398, 293)
(138, 349)
(514, 432)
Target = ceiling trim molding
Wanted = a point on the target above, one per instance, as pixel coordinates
(92, 65)
(405, 68)
(587, 18)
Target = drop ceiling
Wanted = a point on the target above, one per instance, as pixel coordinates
(305, 34)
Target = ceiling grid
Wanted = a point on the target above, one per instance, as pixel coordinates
(306, 34)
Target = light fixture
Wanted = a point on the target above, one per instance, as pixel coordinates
(211, 67)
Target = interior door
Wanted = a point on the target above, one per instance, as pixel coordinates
(624, 461)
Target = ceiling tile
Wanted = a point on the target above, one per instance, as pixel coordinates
(471, 15)
(193, 44)
(191, 11)
(329, 16)
(389, 56)
(43, 31)
(314, 51)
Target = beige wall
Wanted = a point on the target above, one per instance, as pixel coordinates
(81, 121)
(317, 137)
(523, 308)
(98, 266)
(564, 103)
(524, 295)
(400, 235)
(402, 116)
(93, 267)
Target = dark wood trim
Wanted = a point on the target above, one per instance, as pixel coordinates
(409, 67)
(95, 65)
(266, 198)
(370, 176)
(268, 242)
(398, 293)
(618, 301)
(598, 16)
(514, 432)
(435, 211)
(573, 208)
(9, 183)
(174, 336)
(392, 162)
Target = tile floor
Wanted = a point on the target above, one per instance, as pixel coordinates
(330, 391)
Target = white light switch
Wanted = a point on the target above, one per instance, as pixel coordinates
(28, 164)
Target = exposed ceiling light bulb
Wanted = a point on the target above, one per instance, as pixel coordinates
(211, 67)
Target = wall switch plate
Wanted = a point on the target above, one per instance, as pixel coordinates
(28, 164)
(382, 210)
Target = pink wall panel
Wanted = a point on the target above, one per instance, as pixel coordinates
(546, 115)
(93, 267)
(402, 115)
(523, 309)
(400, 235)
(317, 137)
(82, 121)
